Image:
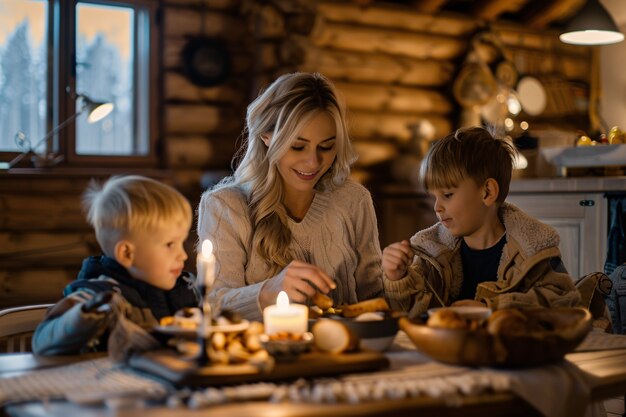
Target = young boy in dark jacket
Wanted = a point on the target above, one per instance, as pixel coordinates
(141, 225)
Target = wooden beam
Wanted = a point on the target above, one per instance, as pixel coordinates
(428, 6)
(34, 286)
(380, 97)
(240, 58)
(396, 18)
(365, 67)
(393, 127)
(551, 11)
(491, 9)
(212, 4)
(202, 119)
(179, 88)
(186, 22)
(200, 151)
(386, 41)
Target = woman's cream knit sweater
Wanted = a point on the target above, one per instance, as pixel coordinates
(338, 234)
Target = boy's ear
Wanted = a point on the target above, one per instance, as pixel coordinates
(124, 253)
(491, 190)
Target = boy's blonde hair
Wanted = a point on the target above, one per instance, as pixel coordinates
(468, 153)
(282, 110)
(126, 204)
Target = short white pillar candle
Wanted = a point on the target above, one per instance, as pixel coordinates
(285, 317)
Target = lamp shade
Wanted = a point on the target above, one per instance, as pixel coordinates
(592, 26)
(96, 110)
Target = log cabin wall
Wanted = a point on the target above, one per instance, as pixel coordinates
(395, 64)
(201, 125)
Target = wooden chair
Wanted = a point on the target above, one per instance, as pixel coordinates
(17, 325)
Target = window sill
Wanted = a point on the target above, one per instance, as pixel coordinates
(82, 172)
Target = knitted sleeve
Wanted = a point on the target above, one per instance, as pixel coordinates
(410, 293)
(223, 218)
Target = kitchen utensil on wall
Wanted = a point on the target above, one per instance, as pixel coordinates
(532, 95)
(486, 91)
(474, 85)
(206, 61)
(505, 103)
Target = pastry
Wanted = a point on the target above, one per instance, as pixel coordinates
(375, 304)
(447, 319)
(322, 301)
(507, 321)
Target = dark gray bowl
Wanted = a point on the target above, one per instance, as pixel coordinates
(374, 335)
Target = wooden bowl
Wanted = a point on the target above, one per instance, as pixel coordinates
(565, 329)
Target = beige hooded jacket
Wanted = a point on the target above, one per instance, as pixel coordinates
(530, 272)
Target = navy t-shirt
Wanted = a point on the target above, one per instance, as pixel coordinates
(479, 265)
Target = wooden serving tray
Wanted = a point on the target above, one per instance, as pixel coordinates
(169, 365)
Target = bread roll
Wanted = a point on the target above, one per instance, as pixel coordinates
(445, 318)
(332, 336)
(507, 321)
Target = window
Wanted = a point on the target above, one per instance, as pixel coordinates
(53, 52)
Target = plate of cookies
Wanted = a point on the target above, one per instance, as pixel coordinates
(507, 338)
(186, 322)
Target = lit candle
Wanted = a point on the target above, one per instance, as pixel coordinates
(285, 317)
(205, 264)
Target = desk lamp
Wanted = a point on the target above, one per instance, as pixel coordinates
(96, 111)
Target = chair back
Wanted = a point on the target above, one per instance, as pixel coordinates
(17, 325)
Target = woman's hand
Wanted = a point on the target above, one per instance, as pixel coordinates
(396, 259)
(299, 280)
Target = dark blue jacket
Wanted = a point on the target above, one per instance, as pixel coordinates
(68, 330)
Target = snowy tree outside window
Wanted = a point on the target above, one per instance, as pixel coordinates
(111, 45)
(23, 71)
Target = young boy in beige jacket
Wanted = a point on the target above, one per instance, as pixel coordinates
(483, 251)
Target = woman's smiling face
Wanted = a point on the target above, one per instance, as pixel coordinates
(311, 154)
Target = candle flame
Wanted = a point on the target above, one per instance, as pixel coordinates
(207, 248)
(282, 301)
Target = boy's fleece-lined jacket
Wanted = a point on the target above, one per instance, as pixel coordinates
(530, 272)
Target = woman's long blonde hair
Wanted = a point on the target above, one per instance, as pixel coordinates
(282, 111)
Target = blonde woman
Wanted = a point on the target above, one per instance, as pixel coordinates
(289, 218)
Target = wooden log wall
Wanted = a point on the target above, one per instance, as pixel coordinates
(201, 125)
(396, 65)
(43, 236)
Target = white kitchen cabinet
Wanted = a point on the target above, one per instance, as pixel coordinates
(581, 220)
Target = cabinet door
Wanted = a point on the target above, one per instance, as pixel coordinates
(580, 219)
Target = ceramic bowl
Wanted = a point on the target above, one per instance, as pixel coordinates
(375, 334)
(565, 329)
(286, 350)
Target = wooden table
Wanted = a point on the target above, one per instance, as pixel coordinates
(604, 370)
